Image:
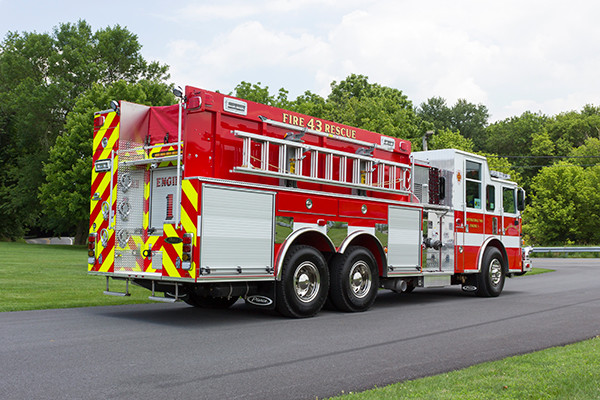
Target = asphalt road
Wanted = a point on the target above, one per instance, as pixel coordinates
(171, 351)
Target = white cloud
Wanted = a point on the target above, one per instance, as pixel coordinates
(510, 56)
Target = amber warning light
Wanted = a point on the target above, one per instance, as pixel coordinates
(165, 153)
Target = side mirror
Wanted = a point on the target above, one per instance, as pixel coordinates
(442, 188)
(520, 199)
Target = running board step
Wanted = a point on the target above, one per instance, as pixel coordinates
(163, 299)
(171, 299)
(111, 293)
(116, 293)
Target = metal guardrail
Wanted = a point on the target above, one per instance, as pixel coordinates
(529, 250)
(562, 249)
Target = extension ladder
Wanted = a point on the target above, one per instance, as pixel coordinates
(327, 166)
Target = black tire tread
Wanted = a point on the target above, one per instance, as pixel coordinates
(338, 291)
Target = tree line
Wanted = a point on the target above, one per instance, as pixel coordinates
(52, 83)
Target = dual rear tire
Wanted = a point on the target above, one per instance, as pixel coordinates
(302, 290)
(349, 284)
(354, 280)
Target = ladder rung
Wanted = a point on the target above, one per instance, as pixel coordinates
(367, 173)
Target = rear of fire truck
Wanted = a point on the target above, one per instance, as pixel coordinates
(217, 198)
(142, 214)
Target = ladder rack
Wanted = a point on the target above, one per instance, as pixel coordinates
(368, 173)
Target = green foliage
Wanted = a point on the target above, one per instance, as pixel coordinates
(519, 137)
(356, 102)
(501, 164)
(436, 111)
(469, 119)
(447, 139)
(565, 205)
(255, 92)
(353, 101)
(311, 104)
(41, 77)
(587, 154)
(570, 130)
(513, 136)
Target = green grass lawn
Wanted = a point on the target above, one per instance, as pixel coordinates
(569, 372)
(36, 276)
(536, 271)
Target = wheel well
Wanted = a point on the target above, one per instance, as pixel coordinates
(369, 242)
(305, 236)
(493, 242)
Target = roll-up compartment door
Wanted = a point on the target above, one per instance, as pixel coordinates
(237, 231)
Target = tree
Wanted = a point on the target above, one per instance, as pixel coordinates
(353, 101)
(311, 104)
(565, 205)
(447, 139)
(588, 154)
(356, 102)
(255, 92)
(41, 76)
(436, 111)
(65, 194)
(514, 137)
(570, 130)
(469, 119)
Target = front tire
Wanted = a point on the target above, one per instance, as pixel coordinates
(304, 283)
(354, 280)
(490, 281)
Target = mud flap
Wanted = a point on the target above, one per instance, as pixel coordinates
(264, 297)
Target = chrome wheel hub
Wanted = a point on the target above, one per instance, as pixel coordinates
(307, 281)
(495, 272)
(360, 279)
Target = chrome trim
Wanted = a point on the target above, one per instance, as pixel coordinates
(360, 279)
(290, 240)
(482, 250)
(316, 192)
(306, 281)
(178, 190)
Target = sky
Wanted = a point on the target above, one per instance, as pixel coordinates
(511, 56)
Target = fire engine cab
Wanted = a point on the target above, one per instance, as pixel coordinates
(217, 198)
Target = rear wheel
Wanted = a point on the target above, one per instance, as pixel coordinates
(490, 281)
(304, 283)
(354, 280)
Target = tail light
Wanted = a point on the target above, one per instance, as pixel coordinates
(188, 247)
(92, 240)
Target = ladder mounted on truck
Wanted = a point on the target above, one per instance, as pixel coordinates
(368, 173)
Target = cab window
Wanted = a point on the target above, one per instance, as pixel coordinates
(473, 184)
(508, 200)
(490, 198)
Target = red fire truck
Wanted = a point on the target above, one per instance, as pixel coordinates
(217, 198)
